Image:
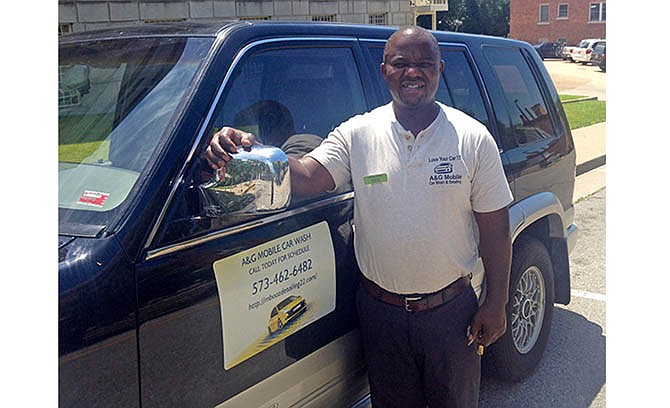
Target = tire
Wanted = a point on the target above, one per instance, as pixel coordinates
(529, 313)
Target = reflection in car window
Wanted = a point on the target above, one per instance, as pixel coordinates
(115, 101)
(278, 93)
(462, 86)
(530, 117)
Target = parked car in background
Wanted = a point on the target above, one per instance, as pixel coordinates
(566, 52)
(584, 50)
(549, 49)
(598, 57)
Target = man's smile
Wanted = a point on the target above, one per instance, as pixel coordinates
(413, 85)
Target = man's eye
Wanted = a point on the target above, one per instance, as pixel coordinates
(399, 65)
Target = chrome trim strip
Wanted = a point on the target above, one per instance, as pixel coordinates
(248, 225)
(221, 37)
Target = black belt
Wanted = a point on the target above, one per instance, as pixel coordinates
(416, 303)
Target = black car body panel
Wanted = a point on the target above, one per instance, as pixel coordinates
(140, 306)
(599, 56)
(549, 49)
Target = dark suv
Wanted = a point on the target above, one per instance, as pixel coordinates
(168, 273)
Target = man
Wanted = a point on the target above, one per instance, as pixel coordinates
(431, 198)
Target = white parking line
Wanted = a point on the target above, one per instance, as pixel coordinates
(588, 295)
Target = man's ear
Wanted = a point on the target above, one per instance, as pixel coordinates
(441, 65)
(382, 69)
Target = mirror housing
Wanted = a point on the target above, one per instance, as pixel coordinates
(256, 181)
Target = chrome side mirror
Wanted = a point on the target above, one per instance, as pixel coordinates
(256, 181)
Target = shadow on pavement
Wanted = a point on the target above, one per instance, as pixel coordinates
(570, 374)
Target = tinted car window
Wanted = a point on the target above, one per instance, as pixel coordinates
(115, 102)
(462, 86)
(530, 117)
(289, 98)
(281, 92)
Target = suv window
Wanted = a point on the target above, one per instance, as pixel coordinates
(462, 86)
(289, 97)
(529, 115)
(277, 93)
(116, 100)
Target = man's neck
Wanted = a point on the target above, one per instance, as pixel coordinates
(416, 120)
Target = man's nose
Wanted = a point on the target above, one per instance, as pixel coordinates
(413, 70)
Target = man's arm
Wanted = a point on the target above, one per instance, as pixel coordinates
(308, 176)
(495, 249)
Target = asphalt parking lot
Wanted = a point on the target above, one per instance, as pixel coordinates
(572, 78)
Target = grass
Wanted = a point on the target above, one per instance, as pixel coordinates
(79, 136)
(583, 113)
(569, 97)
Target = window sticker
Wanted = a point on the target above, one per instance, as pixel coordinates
(271, 291)
(93, 198)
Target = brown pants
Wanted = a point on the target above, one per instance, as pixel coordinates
(419, 359)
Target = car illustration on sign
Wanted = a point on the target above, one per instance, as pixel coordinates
(286, 310)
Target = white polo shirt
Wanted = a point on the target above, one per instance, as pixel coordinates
(414, 228)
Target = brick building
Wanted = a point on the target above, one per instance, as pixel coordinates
(570, 21)
(84, 15)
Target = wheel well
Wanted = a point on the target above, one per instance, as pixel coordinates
(548, 230)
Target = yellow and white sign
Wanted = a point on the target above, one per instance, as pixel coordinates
(273, 290)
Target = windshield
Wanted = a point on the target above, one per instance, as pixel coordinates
(116, 99)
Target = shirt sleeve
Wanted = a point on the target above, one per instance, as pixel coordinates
(490, 190)
(333, 154)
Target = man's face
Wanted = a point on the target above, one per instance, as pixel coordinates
(411, 69)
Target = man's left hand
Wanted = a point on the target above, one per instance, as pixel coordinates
(488, 324)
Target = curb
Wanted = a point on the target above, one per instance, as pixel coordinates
(590, 165)
(587, 98)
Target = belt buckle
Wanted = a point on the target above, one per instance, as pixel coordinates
(410, 299)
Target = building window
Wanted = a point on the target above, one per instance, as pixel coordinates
(378, 19)
(329, 18)
(544, 13)
(64, 28)
(597, 11)
(562, 11)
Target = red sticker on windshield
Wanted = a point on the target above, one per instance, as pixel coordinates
(93, 198)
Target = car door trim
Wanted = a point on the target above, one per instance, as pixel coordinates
(169, 249)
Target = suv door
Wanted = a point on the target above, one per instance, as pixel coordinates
(211, 289)
(533, 133)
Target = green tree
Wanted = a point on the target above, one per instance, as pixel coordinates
(490, 17)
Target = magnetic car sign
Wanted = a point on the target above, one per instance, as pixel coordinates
(273, 290)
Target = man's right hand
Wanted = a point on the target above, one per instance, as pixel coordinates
(223, 143)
